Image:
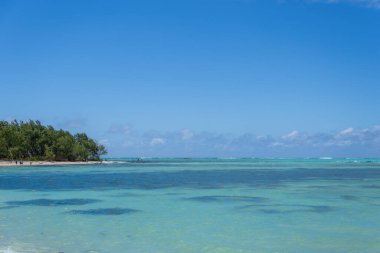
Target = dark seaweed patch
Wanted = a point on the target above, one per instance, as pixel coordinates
(52, 202)
(105, 211)
(371, 186)
(349, 197)
(311, 209)
(320, 187)
(280, 208)
(175, 193)
(226, 199)
(7, 207)
(126, 194)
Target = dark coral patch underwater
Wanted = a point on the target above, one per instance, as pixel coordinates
(52, 202)
(284, 209)
(105, 211)
(226, 199)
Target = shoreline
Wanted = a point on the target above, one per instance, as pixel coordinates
(49, 163)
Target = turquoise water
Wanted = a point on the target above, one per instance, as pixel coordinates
(193, 205)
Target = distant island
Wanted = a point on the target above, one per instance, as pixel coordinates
(33, 141)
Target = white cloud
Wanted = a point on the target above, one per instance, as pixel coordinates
(277, 144)
(187, 134)
(367, 3)
(350, 141)
(347, 131)
(262, 137)
(292, 135)
(157, 141)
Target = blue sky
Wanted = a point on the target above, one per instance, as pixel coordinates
(198, 78)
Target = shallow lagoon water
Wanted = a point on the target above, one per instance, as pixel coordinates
(193, 205)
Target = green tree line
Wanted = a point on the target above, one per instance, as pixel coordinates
(33, 141)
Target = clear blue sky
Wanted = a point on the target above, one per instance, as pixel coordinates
(193, 78)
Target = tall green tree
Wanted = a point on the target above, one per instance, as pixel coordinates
(32, 140)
